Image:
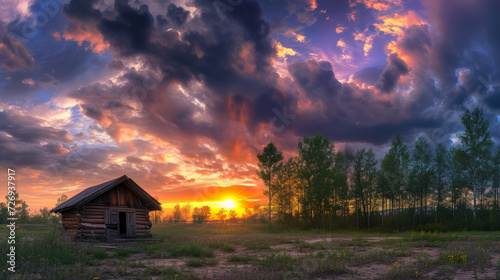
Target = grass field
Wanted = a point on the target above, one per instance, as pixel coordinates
(255, 251)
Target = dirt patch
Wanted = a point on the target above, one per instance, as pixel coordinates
(326, 239)
(163, 262)
(378, 239)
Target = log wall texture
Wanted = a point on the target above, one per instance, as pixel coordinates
(88, 221)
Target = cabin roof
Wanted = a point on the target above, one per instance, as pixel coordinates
(89, 194)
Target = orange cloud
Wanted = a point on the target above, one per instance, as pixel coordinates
(340, 29)
(56, 35)
(313, 4)
(298, 37)
(246, 62)
(366, 39)
(396, 23)
(379, 5)
(346, 54)
(81, 34)
(352, 16)
(341, 43)
(282, 51)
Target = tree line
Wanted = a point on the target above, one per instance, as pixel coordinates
(23, 212)
(204, 213)
(440, 188)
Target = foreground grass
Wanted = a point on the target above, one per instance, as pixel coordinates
(252, 251)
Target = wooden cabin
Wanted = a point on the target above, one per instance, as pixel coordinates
(117, 209)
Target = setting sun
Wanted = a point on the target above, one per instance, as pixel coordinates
(228, 204)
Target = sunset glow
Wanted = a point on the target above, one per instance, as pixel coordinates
(228, 204)
(182, 102)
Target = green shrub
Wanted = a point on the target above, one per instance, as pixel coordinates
(228, 248)
(403, 270)
(433, 237)
(241, 258)
(466, 255)
(191, 249)
(125, 252)
(100, 254)
(274, 259)
(196, 262)
(252, 245)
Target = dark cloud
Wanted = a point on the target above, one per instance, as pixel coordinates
(161, 21)
(92, 112)
(231, 58)
(130, 29)
(347, 113)
(389, 78)
(493, 100)
(46, 80)
(14, 55)
(369, 75)
(316, 78)
(416, 40)
(82, 10)
(55, 149)
(80, 135)
(462, 27)
(177, 14)
(29, 129)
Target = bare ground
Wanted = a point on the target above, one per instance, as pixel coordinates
(359, 267)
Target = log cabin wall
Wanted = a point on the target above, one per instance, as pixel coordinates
(70, 220)
(89, 220)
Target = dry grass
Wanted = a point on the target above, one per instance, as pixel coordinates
(255, 251)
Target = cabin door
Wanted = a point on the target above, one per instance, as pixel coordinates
(131, 224)
(127, 224)
(122, 225)
(111, 219)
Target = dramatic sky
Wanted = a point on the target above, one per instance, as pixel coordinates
(180, 95)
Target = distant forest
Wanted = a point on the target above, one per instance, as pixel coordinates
(425, 188)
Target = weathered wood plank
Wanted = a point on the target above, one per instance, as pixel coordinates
(87, 225)
(93, 221)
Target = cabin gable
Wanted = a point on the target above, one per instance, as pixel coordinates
(113, 210)
(120, 195)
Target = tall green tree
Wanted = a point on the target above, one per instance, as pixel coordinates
(268, 163)
(316, 159)
(340, 193)
(496, 184)
(370, 180)
(458, 184)
(476, 146)
(395, 165)
(384, 192)
(364, 172)
(61, 199)
(177, 213)
(285, 189)
(421, 174)
(441, 166)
